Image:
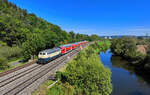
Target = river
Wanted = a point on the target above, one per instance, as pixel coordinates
(125, 80)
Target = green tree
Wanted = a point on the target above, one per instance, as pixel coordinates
(33, 45)
(94, 37)
(72, 36)
(51, 38)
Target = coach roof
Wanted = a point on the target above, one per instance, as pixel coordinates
(65, 45)
(50, 50)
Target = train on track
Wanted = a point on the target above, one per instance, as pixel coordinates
(47, 55)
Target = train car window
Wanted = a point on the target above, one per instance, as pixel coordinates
(52, 51)
(49, 53)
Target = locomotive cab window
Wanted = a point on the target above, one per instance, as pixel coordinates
(42, 53)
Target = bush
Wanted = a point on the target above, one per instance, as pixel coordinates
(86, 73)
(2, 44)
(10, 52)
(3, 63)
(7, 53)
(61, 89)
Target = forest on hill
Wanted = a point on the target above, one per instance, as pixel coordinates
(25, 34)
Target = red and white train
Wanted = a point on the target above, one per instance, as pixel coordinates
(47, 55)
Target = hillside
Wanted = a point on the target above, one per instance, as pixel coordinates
(17, 25)
(23, 31)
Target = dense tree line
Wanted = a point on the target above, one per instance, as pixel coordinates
(127, 48)
(24, 30)
(85, 74)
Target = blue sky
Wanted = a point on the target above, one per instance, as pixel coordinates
(102, 17)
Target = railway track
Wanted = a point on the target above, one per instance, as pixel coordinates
(17, 82)
(34, 78)
(20, 74)
(17, 68)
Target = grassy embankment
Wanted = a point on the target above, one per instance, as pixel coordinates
(84, 75)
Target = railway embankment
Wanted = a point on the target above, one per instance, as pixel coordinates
(84, 74)
(24, 81)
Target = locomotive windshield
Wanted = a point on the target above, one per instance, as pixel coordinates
(42, 53)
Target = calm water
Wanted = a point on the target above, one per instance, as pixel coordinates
(125, 80)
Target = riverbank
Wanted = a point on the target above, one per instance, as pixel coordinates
(137, 53)
(125, 79)
(85, 74)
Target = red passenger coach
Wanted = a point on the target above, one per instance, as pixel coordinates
(79, 43)
(73, 46)
(62, 49)
(76, 45)
(68, 47)
(65, 48)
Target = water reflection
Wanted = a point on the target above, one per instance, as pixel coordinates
(125, 78)
(118, 62)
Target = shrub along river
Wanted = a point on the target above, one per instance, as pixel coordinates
(125, 79)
